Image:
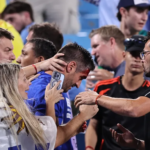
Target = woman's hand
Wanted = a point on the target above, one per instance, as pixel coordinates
(53, 95)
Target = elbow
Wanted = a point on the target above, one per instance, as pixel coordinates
(133, 112)
(138, 107)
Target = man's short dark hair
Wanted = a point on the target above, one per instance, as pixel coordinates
(48, 31)
(18, 7)
(74, 52)
(43, 47)
(6, 34)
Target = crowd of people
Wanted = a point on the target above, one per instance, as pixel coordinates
(33, 116)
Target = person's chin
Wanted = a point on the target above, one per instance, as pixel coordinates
(139, 28)
(66, 90)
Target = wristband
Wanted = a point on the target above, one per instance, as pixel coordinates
(89, 147)
(97, 98)
(35, 68)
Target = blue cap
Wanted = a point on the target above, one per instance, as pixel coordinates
(130, 3)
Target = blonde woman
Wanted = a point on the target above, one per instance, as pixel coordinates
(20, 130)
(18, 127)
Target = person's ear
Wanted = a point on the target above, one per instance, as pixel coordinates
(124, 54)
(112, 41)
(26, 14)
(123, 12)
(71, 67)
(40, 58)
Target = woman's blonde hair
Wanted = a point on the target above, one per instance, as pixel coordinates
(9, 95)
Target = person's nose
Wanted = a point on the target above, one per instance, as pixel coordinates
(12, 56)
(144, 16)
(78, 84)
(93, 52)
(18, 60)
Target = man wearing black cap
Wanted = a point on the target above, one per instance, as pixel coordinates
(133, 15)
(130, 85)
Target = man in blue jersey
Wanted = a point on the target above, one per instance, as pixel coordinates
(37, 50)
(34, 51)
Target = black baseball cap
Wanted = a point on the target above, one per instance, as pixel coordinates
(130, 3)
(135, 43)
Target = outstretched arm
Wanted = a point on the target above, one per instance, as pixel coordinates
(127, 107)
(50, 64)
(65, 132)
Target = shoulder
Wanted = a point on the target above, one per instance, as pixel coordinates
(107, 83)
(146, 83)
(41, 81)
(147, 94)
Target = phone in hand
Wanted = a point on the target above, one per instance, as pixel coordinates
(57, 76)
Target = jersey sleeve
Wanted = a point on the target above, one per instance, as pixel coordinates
(50, 130)
(37, 102)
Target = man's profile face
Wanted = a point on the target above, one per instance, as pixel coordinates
(136, 18)
(74, 79)
(27, 56)
(6, 50)
(17, 20)
(146, 61)
(101, 50)
(133, 62)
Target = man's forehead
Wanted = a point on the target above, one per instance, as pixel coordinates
(96, 37)
(28, 46)
(85, 72)
(6, 42)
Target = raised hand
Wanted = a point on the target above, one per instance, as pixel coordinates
(125, 139)
(100, 74)
(97, 75)
(53, 95)
(87, 97)
(53, 63)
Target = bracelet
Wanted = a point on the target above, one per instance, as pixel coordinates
(35, 68)
(97, 98)
(89, 147)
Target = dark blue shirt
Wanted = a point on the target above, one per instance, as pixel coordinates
(24, 32)
(120, 70)
(37, 102)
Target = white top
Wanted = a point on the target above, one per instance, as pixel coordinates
(25, 141)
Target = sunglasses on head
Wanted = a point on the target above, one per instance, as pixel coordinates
(129, 42)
